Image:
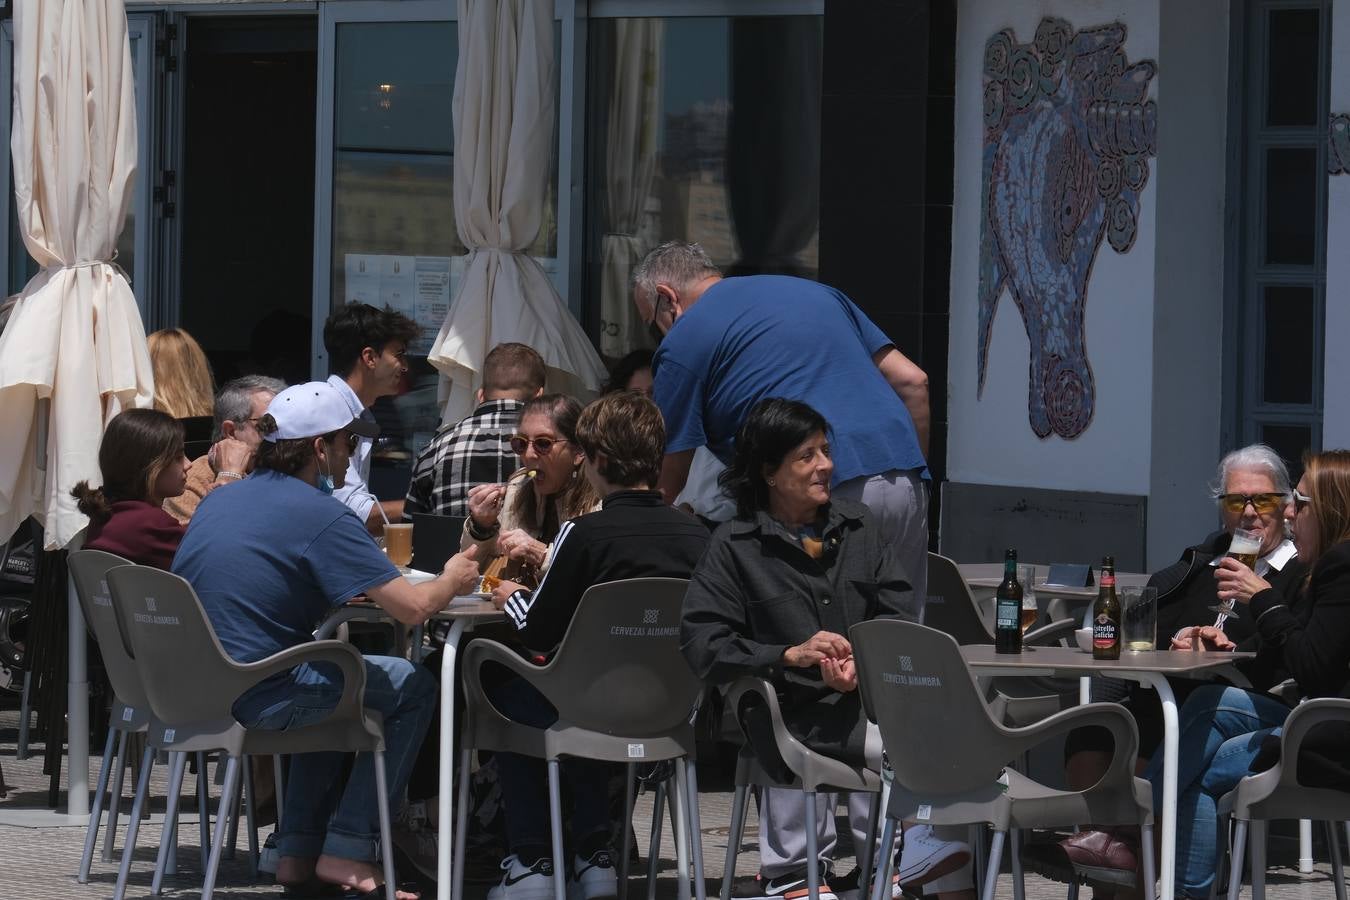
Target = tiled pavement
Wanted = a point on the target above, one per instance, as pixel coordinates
(38, 863)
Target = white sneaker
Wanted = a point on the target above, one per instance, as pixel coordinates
(925, 857)
(521, 882)
(593, 878)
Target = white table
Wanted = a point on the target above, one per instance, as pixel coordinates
(1149, 668)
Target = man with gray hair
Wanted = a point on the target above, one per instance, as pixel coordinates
(731, 342)
(234, 440)
(1250, 489)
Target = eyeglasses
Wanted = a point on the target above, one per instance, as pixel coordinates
(1300, 501)
(1264, 504)
(541, 445)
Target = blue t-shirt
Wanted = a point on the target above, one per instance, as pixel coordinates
(269, 557)
(777, 336)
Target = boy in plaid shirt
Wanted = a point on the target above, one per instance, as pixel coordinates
(477, 450)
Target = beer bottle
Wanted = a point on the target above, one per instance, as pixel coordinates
(1008, 608)
(1106, 614)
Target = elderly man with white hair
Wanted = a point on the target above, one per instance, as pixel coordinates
(1250, 490)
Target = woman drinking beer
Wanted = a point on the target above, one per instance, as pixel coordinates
(1224, 729)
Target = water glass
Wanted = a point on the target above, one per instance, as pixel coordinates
(1030, 611)
(1139, 612)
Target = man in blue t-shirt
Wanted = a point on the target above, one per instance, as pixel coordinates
(731, 342)
(269, 559)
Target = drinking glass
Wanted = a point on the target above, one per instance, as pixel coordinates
(1245, 548)
(1030, 611)
(398, 543)
(1139, 612)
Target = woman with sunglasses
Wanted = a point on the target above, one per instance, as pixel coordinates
(142, 463)
(520, 518)
(1228, 732)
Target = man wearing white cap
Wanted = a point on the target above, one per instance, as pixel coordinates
(269, 559)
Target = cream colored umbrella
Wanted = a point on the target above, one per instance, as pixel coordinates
(75, 338)
(504, 117)
(73, 353)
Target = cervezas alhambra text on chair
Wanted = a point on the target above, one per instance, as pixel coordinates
(914, 682)
(623, 693)
(1277, 793)
(191, 685)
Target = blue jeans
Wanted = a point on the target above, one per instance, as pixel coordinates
(322, 813)
(1221, 733)
(524, 779)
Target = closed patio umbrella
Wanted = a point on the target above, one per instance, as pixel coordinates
(504, 117)
(73, 353)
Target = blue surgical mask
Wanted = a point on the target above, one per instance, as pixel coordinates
(325, 483)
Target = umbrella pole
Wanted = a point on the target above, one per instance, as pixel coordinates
(77, 706)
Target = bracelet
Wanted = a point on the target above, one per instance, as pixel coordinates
(479, 534)
(224, 474)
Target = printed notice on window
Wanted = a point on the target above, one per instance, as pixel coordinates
(416, 286)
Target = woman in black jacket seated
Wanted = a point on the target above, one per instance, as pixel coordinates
(1223, 729)
(774, 596)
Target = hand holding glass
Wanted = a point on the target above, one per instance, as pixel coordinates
(1245, 548)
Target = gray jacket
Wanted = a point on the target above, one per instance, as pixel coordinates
(756, 592)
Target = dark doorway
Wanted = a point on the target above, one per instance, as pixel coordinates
(248, 192)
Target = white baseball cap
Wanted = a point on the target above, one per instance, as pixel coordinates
(313, 409)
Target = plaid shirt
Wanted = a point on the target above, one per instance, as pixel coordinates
(476, 451)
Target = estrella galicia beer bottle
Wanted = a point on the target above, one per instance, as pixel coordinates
(1008, 608)
(1106, 614)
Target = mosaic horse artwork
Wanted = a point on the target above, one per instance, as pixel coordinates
(1068, 131)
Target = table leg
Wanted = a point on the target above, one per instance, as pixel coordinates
(444, 846)
(77, 710)
(1167, 816)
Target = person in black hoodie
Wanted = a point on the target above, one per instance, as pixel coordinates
(633, 535)
(1250, 490)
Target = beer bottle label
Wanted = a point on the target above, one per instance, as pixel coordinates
(1108, 579)
(1104, 632)
(1009, 613)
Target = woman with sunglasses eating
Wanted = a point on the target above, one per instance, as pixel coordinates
(516, 522)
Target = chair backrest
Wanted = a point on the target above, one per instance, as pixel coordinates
(950, 606)
(187, 675)
(89, 571)
(619, 669)
(435, 539)
(934, 724)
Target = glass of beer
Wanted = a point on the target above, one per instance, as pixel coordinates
(1245, 548)
(1030, 611)
(398, 543)
(1139, 609)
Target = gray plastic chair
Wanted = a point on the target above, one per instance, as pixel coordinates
(130, 713)
(951, 609)
(814, 772)
(623, 693)
(1277, 794)
(191, 684)
(949, 753)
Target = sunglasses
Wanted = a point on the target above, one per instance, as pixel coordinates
(1264, 504)
(1300, 501)
(353, 440)
(519, 443)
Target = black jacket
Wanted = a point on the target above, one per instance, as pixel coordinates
(756, 593)
(1310, 640)
(633, 535)
(1187, 590)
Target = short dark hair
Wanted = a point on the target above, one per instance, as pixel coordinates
(627, 427)
(286, 456)
(514, 368)
(138, 445)
(356, 326)
(626, 368)
(774, 427)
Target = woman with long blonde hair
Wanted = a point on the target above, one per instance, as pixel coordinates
(184, 386)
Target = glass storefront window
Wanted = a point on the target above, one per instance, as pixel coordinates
(700, 129)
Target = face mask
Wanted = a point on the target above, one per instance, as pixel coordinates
(325, 484)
